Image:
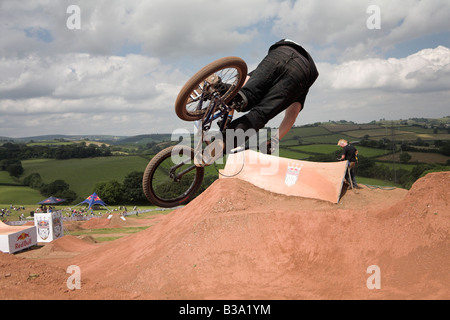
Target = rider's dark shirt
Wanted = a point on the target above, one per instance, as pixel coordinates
(349, 153)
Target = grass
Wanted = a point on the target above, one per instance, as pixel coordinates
(101, 235)
(6, 179)
(33, 206)
(108, 231)
(82, 174)
(19, 195)
(111, 234)
(334, 127)
(330, 138)
(305, 132)
(422, 129)
(423, 157)
(398, 165)
(293, 154)
(376, 182)
(333, 148)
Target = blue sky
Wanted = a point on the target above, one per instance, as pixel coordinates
(121, 71)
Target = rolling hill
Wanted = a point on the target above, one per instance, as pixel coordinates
(302, 142)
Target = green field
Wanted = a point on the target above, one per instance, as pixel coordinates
(300, 143)
(19, 195)
(28, 207)
(376, 182)
(12, 192)
(82, 174)
(305, 132)
(332, 148)
(422, 157)
(313, 135)
(400, 134)
(335, 127)
(331, 139)
(6, 179)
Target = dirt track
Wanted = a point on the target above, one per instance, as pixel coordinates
(236, 241)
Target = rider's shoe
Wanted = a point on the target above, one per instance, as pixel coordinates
(239, 102)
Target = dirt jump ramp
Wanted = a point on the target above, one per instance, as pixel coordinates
(238, 241)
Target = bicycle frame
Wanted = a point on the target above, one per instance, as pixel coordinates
(224, 112)
(217, 109)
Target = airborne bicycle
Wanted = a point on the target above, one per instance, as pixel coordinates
(173, 176)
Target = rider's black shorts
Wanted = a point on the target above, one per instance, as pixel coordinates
(282, 78)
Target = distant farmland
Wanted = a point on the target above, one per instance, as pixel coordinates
(82, 174)
(419, 157)
(301, 143)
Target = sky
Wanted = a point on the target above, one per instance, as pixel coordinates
(115, 67)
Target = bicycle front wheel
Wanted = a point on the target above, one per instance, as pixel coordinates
(224, 76)
(171, 177)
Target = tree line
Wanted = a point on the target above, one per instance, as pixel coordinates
(129, 191)
(369, 168)
(21, 151)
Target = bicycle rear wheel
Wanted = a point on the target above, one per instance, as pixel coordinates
(224, 76)
(165, 183)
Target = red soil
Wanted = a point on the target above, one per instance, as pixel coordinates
(236, 241)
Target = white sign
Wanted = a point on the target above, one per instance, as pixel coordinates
(13, 239)
(49, 226)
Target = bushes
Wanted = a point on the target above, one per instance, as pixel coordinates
(57, 188)
(129, 191)
(74, 150)
(34, 181)
(13, 166)
(370, 169)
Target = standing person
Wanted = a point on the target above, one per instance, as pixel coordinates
(279, 83)
(349, 153)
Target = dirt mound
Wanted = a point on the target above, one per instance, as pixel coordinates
(106, 221)
(64, 247)
(429, 195)
(236, 241)
(29, 279)
(70, 243)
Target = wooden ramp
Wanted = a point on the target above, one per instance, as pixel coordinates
(316, 180)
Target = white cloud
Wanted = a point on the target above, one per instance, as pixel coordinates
(168, 28)
(75, 76)
(371, 89)
(73, 92)
(426, 70)
(56, 80)
(338, 28)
